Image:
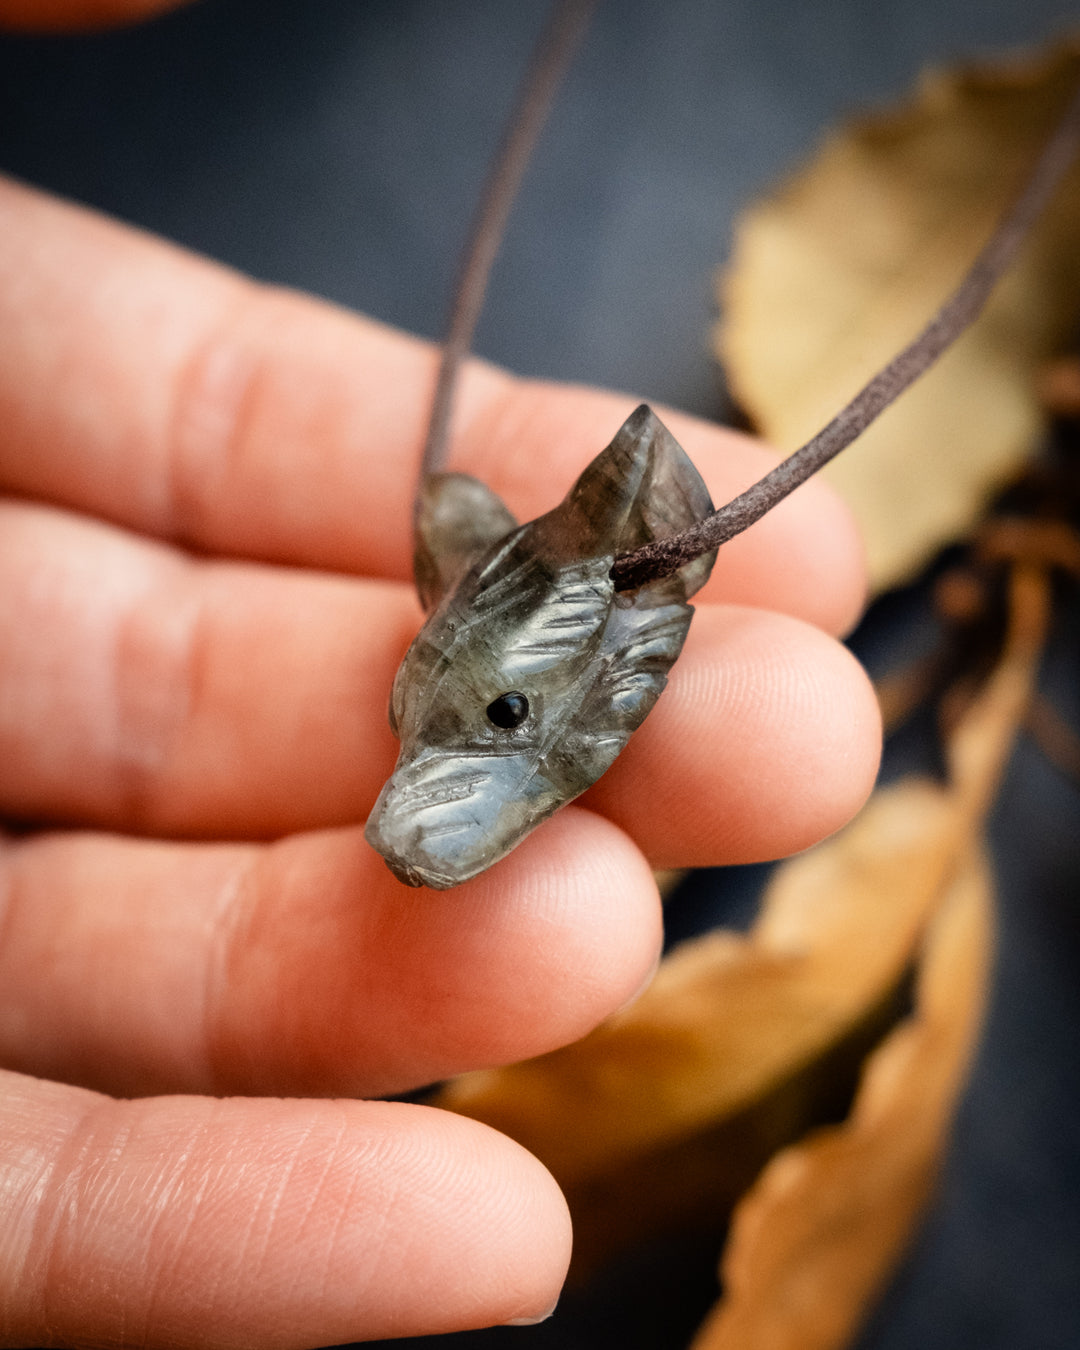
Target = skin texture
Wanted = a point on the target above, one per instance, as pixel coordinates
(204, 561)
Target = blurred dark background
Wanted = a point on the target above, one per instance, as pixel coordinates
(338, 146)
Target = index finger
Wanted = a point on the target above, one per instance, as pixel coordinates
(173, 396)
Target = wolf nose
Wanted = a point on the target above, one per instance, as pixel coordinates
(410, 876)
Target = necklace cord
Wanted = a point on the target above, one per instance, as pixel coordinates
(662, 557)
(558, 43)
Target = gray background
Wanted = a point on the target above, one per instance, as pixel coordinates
(338, 146)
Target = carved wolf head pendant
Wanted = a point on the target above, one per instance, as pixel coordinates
(530, 672)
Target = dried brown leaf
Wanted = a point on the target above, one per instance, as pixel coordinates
(1059, 387)
(1047, 543)
(818, 1234)
(901, 692)
(815, 1238)
(836, 271)
(980, 745)
(1054, 737)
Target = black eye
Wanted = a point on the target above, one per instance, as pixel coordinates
(508, 711)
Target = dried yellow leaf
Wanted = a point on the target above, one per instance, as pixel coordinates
(836, 271)
(816, 1237)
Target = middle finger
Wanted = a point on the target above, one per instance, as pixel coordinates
(150, 691)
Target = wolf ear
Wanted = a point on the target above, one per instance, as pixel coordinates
(459, 518)
(642, 487)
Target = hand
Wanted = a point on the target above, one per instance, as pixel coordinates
(203, 597)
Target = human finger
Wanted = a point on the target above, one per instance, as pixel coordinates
(188, 697)
(46, 16)
(304, 967)
(146, 690)
(186, 1222)
(767, 739)
(207, 410)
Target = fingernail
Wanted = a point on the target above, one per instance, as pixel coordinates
(531, 1321)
